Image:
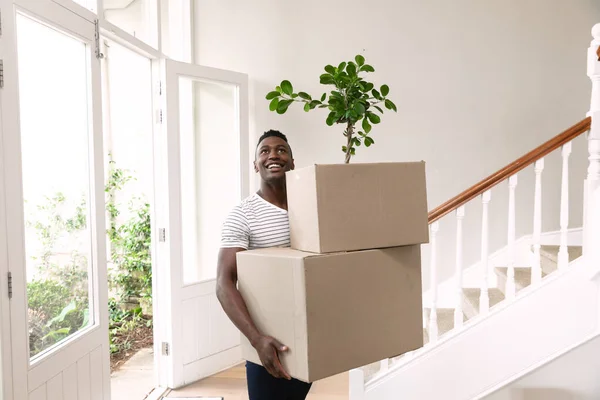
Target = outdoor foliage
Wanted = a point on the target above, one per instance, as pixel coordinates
(58, 294)
(354, 99)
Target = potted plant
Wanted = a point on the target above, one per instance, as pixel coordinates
(352, 100)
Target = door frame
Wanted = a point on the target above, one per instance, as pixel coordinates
(27, 375)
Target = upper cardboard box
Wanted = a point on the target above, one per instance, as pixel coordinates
(335, 311)
(345, 207)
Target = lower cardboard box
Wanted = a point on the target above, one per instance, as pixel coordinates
(335, 311)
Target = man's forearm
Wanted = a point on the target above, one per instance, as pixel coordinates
(235, 307)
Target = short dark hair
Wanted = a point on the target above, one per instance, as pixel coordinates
(273, 133)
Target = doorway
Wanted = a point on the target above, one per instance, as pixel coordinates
(129, 187)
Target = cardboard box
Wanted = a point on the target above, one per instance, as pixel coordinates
(345, 207)
(335, 312)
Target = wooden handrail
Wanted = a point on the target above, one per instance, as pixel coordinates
(511, 169)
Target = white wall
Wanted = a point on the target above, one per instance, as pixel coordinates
(477, 84)
(559, 379)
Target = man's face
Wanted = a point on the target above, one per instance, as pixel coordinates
(273, 159)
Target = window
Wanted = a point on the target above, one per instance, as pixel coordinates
(55, 132)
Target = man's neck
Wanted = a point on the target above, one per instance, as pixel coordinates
(274, 192)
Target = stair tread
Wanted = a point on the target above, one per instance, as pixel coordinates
(551, 252)
(445, 320)
(522, 277)
(472, 296)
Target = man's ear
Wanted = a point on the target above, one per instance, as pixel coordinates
(255, 166)
(293, 165)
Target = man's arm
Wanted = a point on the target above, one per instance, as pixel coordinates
(235, 307)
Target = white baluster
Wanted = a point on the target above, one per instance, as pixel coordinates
(384, 365)
(592, 207)
(536, 268)
(563, 253)
(484, 298)
(356, 385)
(594, 69)
(510, 289)
(433, 325)
(458, 310)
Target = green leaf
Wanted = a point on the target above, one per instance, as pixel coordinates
(58, 334)
(326, 79)
(359, 108)
(274, 103)
(65, 311)
(374, 118)
(367, 68)
(330, 69)
(304, 96)
(390, 105)
(283, 106)
(352, 151)
(344, 78)
(307, 107)
(356, 141)
(376, 94)
(294, 95)
(330, 118)
(86, 318)
(360, 60)
(272, 95)
(366, 126)
(361, 133)
(342, 66)
(324, 97)
(385, 90)
(369, 141)
(379, 109)
(278, 88)
(287, 87)
(344, 149)
(351, 69)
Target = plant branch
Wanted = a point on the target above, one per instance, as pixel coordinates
(349, 133)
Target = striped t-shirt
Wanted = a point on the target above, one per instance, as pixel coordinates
(255, 223)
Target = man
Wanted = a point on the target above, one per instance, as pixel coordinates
(260, 221)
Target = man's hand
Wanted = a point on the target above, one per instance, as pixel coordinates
(234, 306)
(268, 350)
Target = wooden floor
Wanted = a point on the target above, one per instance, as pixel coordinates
(231, 385)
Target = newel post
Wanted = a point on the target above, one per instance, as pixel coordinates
(592, 206)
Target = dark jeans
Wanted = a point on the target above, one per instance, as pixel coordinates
(264, 386)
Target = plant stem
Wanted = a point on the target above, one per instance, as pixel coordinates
(349, 133)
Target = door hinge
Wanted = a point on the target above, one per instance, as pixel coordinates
(1, 73)
(165, 348)
(10, 291)
(0, 23)
(162, 235)
(159, 88)
(160, 116)
(99, 54)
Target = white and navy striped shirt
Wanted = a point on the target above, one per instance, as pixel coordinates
(255, 223)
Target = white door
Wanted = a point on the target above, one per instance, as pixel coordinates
(202, 173)
(54, 201)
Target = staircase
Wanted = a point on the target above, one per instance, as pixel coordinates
(471, 296)
(539, 302)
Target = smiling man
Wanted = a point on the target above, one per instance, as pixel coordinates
(260, 221)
